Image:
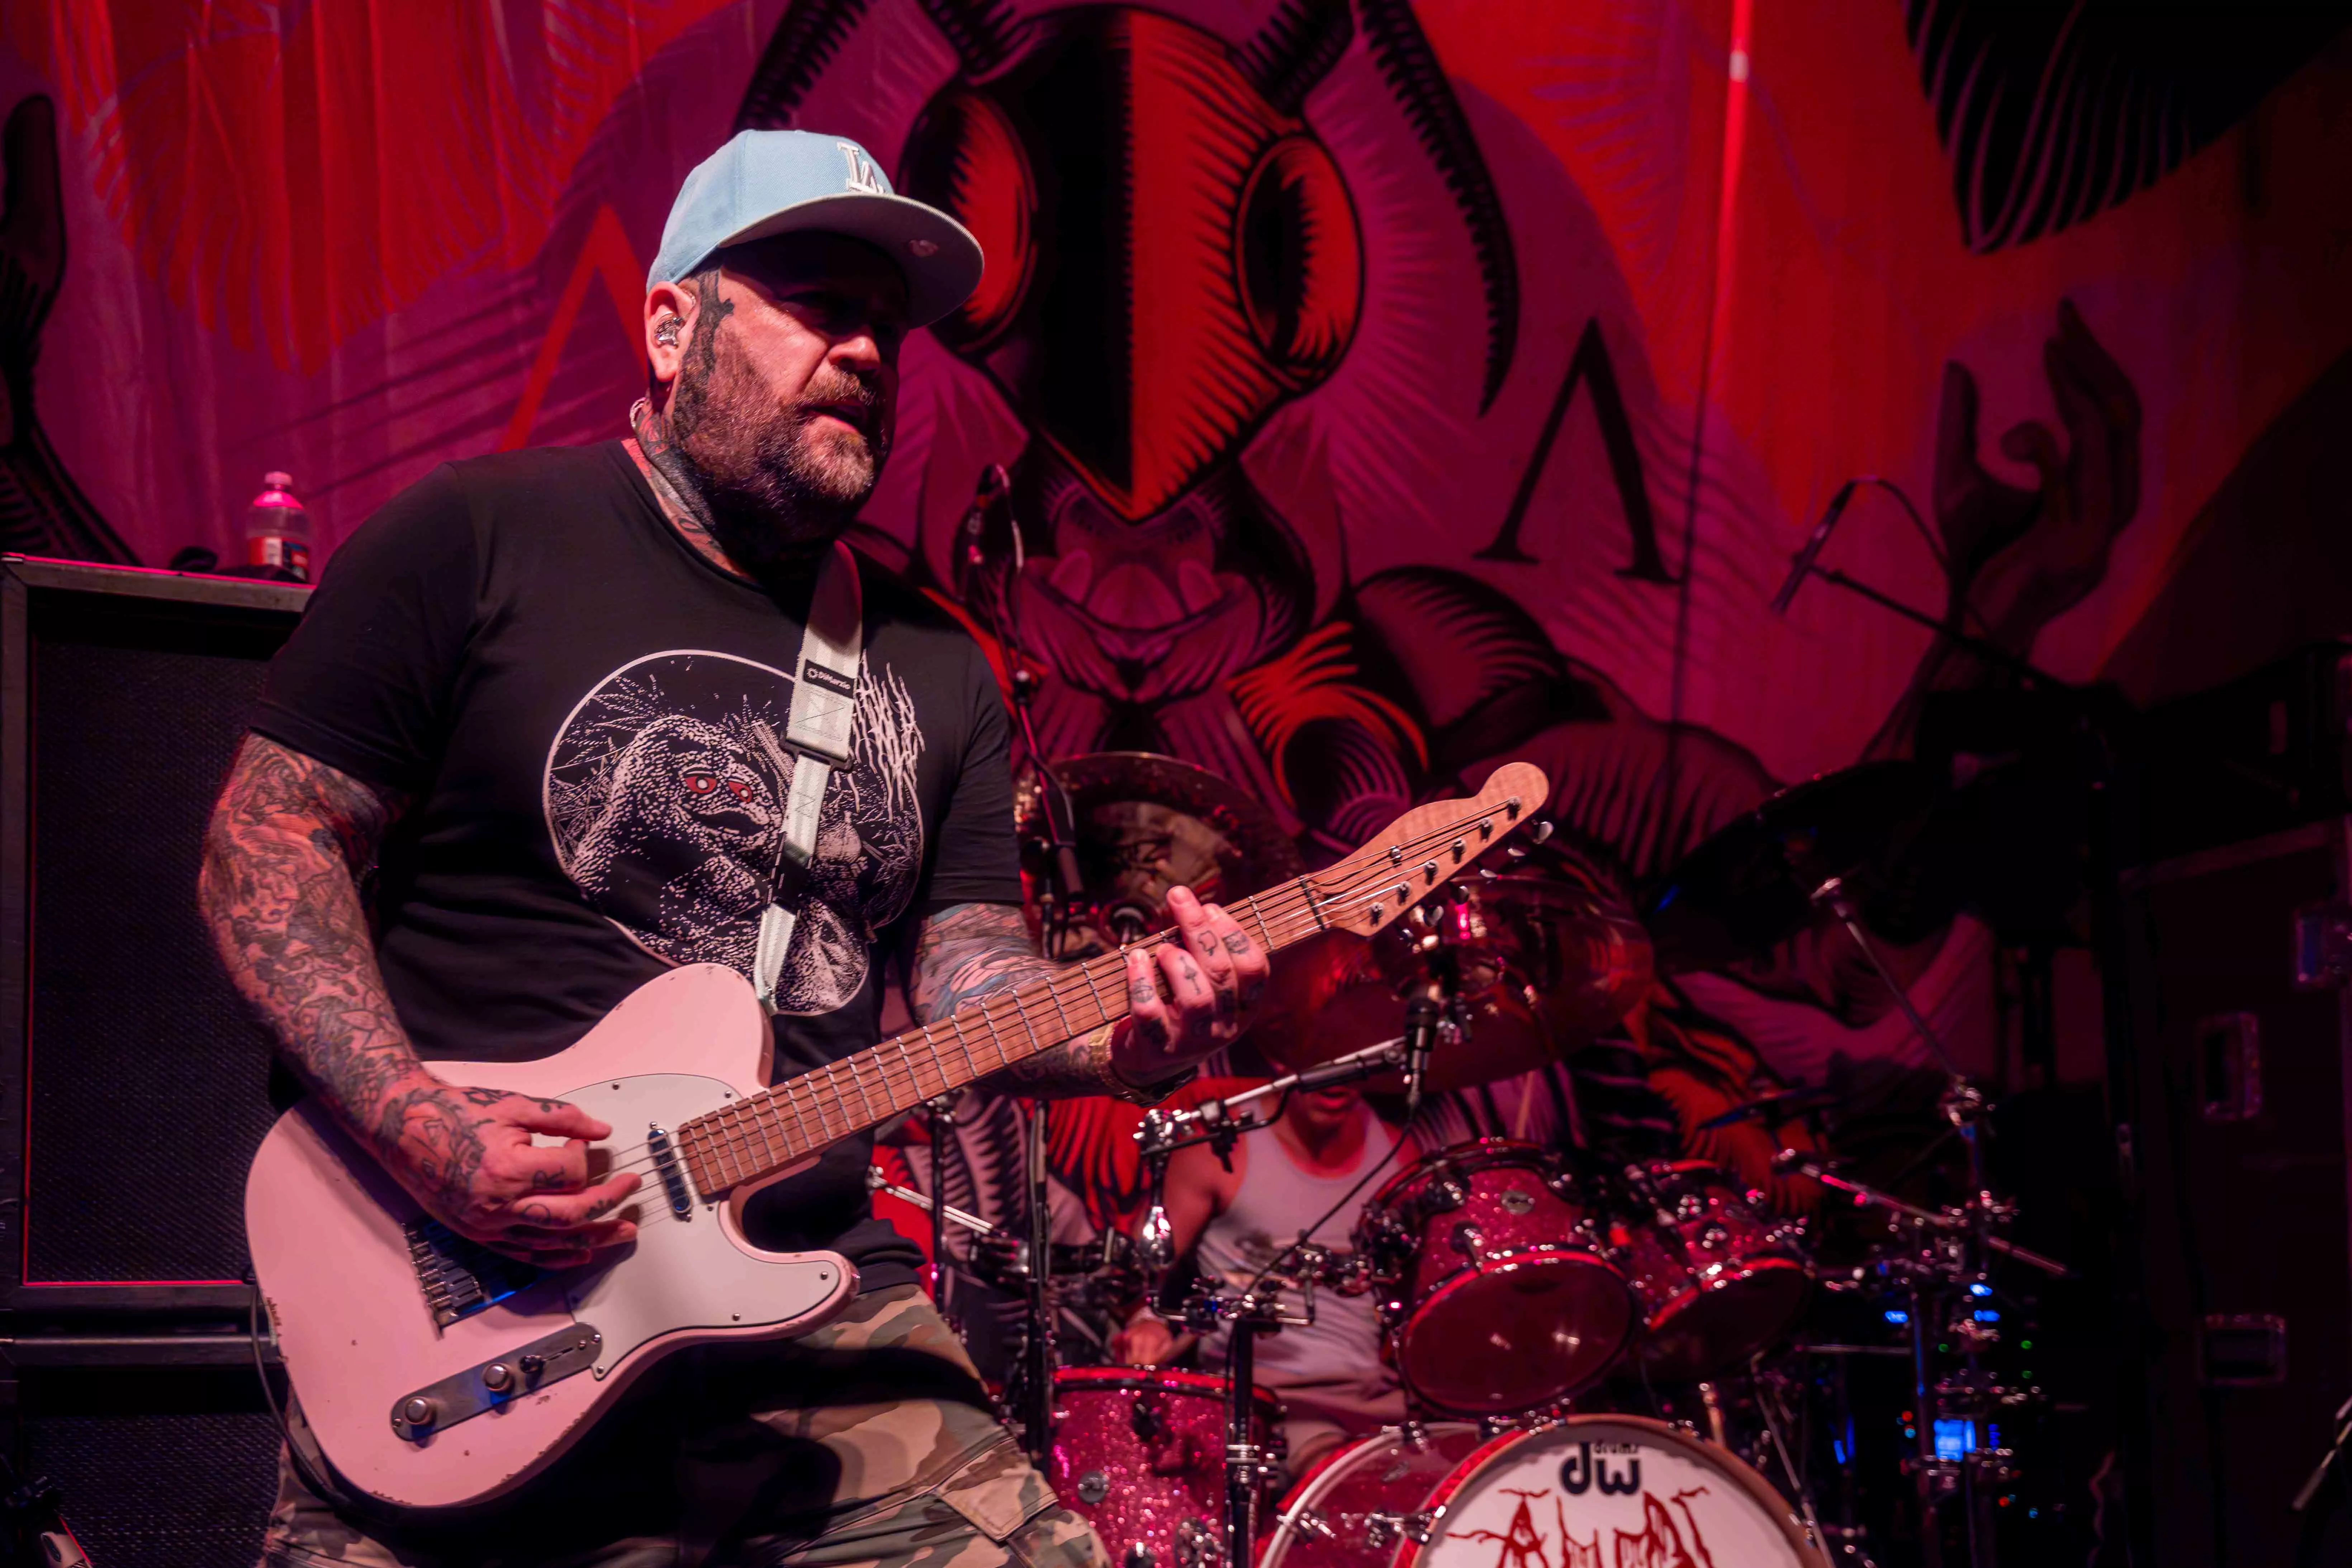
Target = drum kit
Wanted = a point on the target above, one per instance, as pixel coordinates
(1596, 1353)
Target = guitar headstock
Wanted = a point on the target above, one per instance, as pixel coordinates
(1425, 848)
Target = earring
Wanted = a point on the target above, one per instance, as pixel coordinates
(666, 331)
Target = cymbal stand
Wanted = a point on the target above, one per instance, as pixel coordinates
(1037, 1348)
(938, 1121)
(1248, 1462)
(1963, 1106)
(1258, 1309)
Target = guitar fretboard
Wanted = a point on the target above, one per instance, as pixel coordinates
(759, 1134)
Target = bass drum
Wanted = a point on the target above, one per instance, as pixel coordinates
(1587, 1492)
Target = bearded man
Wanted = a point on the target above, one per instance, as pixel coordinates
(554, 690)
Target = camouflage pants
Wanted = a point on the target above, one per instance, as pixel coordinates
(868, 1443)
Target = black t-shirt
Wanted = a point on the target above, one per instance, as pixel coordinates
(588, 717)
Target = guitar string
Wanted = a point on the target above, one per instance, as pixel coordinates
(1296, 910)
(1310, 915)
(1285, 905)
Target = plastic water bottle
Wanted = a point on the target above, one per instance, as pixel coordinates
(277, 529)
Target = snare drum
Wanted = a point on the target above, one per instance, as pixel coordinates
(1141, 1453)
(1583, 1493)
(1499, 1296)
(1718, 1276)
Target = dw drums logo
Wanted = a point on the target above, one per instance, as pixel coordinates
(1581, 1471)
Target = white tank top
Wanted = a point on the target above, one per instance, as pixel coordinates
(1276, 1200)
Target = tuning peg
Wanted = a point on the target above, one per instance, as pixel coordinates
(1541, 831)
(1515, 852)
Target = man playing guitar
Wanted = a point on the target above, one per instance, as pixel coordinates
(546, 700)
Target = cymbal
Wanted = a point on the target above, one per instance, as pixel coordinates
(1751, 885)
(1539, 967)
(1144, 823)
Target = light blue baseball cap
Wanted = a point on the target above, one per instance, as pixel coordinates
(765, 183)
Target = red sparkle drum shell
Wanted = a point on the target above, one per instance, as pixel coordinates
(1502, 1298)
(1139, 1453)
(1717, 1278)
(1333, 1519)
(1584, 1491)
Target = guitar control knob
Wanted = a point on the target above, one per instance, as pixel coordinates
(419, 1411)
(497, 1378)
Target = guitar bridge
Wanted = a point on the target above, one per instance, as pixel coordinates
(460, 1278)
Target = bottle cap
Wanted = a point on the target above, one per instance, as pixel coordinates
(277, 481)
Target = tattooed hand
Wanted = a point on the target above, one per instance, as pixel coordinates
(283, 855)
(466, 1155)
(1213, 974)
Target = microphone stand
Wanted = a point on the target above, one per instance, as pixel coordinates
(1258, 1311)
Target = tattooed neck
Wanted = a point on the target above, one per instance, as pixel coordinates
(682, 504)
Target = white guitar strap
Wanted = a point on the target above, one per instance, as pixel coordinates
(825, 711)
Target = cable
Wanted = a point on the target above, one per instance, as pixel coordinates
(1328, 1214)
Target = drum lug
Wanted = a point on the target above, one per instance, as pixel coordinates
(1414, 1435)
(1445, 1193)
(1307, 1522)
(1382, 1530)
(1468, 1240)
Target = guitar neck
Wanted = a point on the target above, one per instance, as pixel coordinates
(756, 1136)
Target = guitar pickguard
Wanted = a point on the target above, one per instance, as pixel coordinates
(686, 1270)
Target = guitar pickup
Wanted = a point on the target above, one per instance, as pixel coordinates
(417, 1415)
(672, 1169)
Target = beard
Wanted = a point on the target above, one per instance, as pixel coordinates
(777, 487)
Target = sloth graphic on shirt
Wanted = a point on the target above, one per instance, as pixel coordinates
(665, 796)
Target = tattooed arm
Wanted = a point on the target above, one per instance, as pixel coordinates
(968, 950)
(279, 886)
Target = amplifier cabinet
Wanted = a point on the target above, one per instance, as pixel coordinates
(134, 1085)
(2245, 1213)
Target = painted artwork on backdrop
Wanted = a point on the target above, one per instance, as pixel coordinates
(1385, 391)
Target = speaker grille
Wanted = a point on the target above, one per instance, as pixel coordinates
(147, 1088)
(160, 1470)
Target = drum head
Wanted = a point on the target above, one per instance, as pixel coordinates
(1595, 1491)
(1519, 1334)
(1332, 1519)
(1723, 1325)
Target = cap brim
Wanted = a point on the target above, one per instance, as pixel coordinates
(938, 256)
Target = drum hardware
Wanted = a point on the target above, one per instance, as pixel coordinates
(1257, 1308)
(1141, 1453)
(939, 1121)
(941, 1214)
(1035, 1363)
(1934, 1262)
(1215, 1122)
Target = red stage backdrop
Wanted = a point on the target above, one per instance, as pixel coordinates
(1389, 388)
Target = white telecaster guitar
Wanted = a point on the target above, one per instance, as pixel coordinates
(435, 1372)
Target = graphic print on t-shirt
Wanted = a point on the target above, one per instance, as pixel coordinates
(665, 796)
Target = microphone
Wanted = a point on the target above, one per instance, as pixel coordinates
(1800, 566)
(1420, 1036)
(987, 531)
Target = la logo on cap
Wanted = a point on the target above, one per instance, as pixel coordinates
(863, 174)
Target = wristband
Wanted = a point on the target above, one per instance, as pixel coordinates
(1105, 1071)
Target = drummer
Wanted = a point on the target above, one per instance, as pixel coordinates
(1330, 1377)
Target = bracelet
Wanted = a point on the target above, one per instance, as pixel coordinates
(1105, 1072)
